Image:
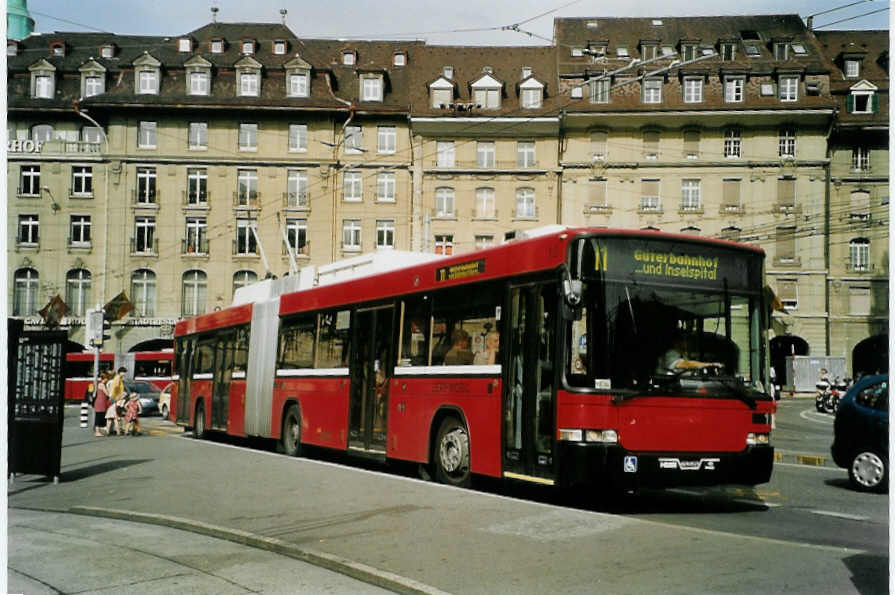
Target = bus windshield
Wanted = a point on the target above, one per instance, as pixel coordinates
(642, 325)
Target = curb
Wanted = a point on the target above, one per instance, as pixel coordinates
(356, 570)
(807, 459)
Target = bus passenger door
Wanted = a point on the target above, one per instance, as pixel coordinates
(186, 347)
(530, 395)
(223, 371)
(371, 369)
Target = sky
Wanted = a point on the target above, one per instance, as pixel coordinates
(462, 22)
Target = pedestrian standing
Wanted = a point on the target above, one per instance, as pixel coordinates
(100, 404)
(116, 393)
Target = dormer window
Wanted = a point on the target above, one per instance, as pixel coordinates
(93, 79)
(199, 83)
(147, 82)
(852, 69)
(798, 49)
(279, 47)
(728, 51)
(44, 86)
(486, 92)
(781, 51)
(298, 84)
(752, 50)
(147, 75)
(57, 48)
(371, 87)
(107, 51)
(526, 72)
(862, 99)
(348, 58)
(298, 77)
(399, 59)
(217, 46)
(648, 51)
(198, 76)
(248, 47)
(441, 93)
(689, 51)
(248, 77)
(621, 52)
(185, 45)
(532, 92)
(448, 72)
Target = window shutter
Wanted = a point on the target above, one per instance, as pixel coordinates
(730, 197)
(691, 143)
(786, 243)
(874, 103)
(786, 192)
(850, 104)
(597, 192)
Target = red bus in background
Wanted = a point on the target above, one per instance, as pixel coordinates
(613, 358)
(153, 367)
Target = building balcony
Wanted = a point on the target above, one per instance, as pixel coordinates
(79, 194)
(485, 214)
(195, 199)
(732, 210)
(691, 210)
(297, 200)
(597, 209)
(67, 147)
(852, 267)
(302, 250)
(27, 245)
(193, 247)
(246, 200)
(244, 250)
(141, 247)
(145, 198)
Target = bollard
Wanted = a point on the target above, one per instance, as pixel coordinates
(85, 413)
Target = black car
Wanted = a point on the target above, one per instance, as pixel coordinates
(148, 395)
(861, 434)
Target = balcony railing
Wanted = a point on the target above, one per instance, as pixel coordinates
(485, 213)
(247, 200)
(296, 200)
(194, 247)
(76, 195)
(303, 250)
(244, 250)
(144, 248)
(195, 199)
(143, 197)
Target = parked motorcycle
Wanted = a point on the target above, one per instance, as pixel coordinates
(824, 389)
(835, 394)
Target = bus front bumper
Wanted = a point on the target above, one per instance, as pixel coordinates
(612, 466)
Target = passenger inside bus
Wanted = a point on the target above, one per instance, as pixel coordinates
(459, 354)
(488, 356)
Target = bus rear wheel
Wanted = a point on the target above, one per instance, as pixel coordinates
(199, 425)
(452, 453)
(290, 438)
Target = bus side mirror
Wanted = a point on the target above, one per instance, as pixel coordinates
(571, 292)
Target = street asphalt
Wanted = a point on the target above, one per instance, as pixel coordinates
(384, 530)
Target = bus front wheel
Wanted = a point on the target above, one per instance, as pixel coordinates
(452, 453)
(199, 425)
(290, 439)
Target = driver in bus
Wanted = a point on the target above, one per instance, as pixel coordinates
(676, 359)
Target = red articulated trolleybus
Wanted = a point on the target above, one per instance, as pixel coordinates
(563, 357)
(153, 367)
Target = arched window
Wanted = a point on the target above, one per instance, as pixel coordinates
(525, 203)
(484, 203)
(77, 291)
(195, 285)
(143, 293)
(859, 254)
(243, 278)
(27, 284)
(444, 202)
(41, 133)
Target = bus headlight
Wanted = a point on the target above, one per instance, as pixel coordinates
(604, 436)
(753, 438)
(570, 435)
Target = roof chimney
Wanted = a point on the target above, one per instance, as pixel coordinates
(214, 14)
(283, 12)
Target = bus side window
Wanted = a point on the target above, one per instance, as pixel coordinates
(415, 339)
(333, 339)
(465, 324)
(297, 342)
(204, 362)
(241, 347)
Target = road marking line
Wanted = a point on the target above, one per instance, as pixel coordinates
(840, 515)
(814, 417)
(757, 502)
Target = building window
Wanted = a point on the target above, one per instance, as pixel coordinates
(781, 51)
(531, 98)
(484, 203)
(351, 234)
(247, 186)
(199, 83)
(297, 188)
(786, 193)
(298, 84)
(485, 154)
(444, 202)
(733, 89)
(44, 86)
(387, 139)
(399, 59)
(354, 140)
(248, 137)
(146, 184)
(865, 102)
(693, 89)
(184, 45)
(487, 98)
(483, 241)
(730, 194)
(245, 244)
(77, 291)
(29, 230)
(196, 185)
(298, 138)
(788, 294)
(217, 46)
(789, 88)
(371, 88)
(385, 186)
(652, 91)
(688, 51)
(146, 136)
(525, 154)
(599, 145)
(82, 180)
(92, 134)
(79, 231)
(859, 254)
(144, 235)
(441, 97)
(198, 136)
(444, 244)
(249, 84)
(248, 47)
(196, 239)
(444, 153)
(860, 159)
(785, 243)
(852, 69)
(599, 90)
(732, 143)
(41, 133)
(385, 233)
(525, 203)
(193, 295)
(279, 47)
(107, 51)
(148, 82)
(353, 186)
(348, 58)
(728, 52)
(859, 205)
(859, 300)
(243, 279)
(29, 180)
(94, 85)
(650, 144)
(691, 144)
(787, 143)
(649, 195)
(27, 285)
(690, 195)
(648, 51)
(143, 293)
(297, 235)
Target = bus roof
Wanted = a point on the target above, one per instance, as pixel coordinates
(231, 316)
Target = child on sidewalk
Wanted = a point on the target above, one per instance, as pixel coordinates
(132, 417)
